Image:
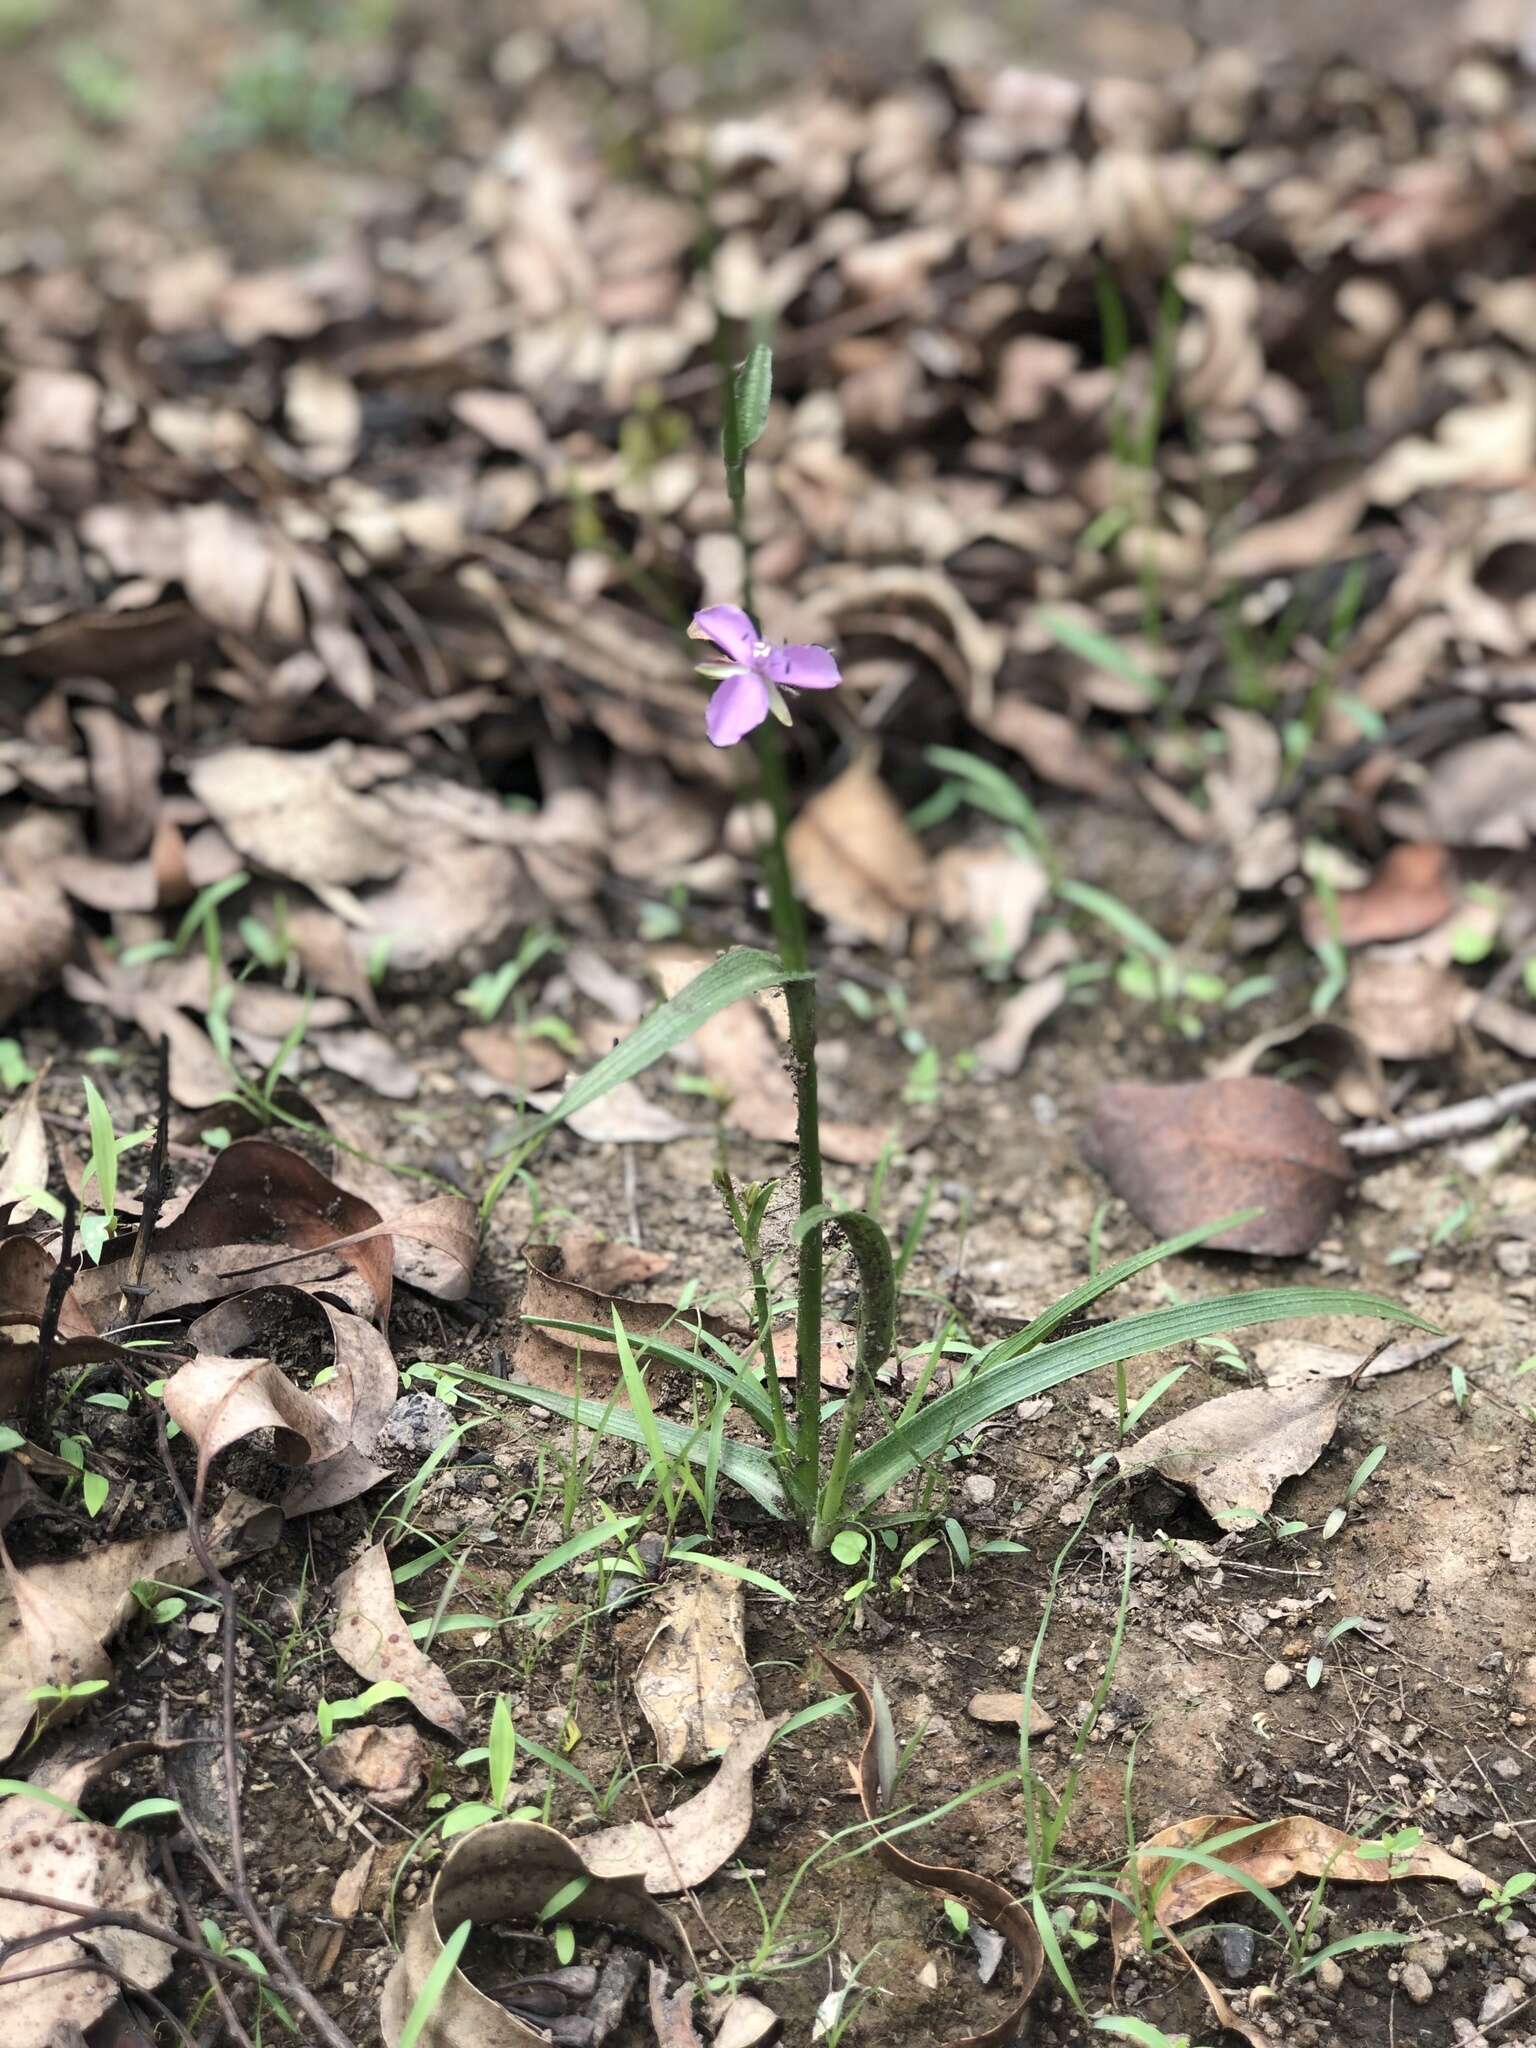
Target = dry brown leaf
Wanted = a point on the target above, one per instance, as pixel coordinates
(57, 1619)
(991, 893)
(694, 1684)
(506, 1872)
(199, 1078)
(512, 1054)
(1405, 1009)
(308, 817)
(453, 897)
(624, 1115)
(856, 860)
(217, 1401)
(1003, 1050)
(578, 1281)
(1482, 793)
(1233, 1452)
(36, 934)
(1006, 1710)
(1286, 1362)
(1297, 1846)
(368, 1057)
(839, 1350)
(1316, 532)
(82, 1867)
(389, 1764)
(263, 1216)
(1054, 746)
(986, 1898)
(690, 1843)
(1412, 891)
(23, 1152)
(125, 776)
(1186, 1153)
(1505, 1023)
(371, 1635)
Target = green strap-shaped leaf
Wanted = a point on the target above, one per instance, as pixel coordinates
(745, 971)
(876, 1470)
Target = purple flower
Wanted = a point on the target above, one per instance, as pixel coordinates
(754, 675)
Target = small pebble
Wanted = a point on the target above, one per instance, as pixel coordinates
(1236, 1948)
(1432, 1955)
(979, 1488)
(1416, 1983)
(1278, 1677)
(1505, 1767)
(1328, 1978)
(1502, 1999)
(416, 1425)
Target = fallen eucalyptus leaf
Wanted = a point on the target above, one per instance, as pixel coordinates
(1183, 1153)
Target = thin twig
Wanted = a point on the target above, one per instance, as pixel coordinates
(221, 1997)
(48, 1324)
(238, 1883)
(154, 1188)
(1455, 1120)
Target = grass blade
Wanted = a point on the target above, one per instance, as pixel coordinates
(742, 972)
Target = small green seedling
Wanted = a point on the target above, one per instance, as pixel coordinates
(330, 1713)
(53, 1701)
(1503, 1902)
(94, 1486)
(14, 1071)
(1363, 1471)
(487, 995)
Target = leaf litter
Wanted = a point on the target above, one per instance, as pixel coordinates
(335, 504)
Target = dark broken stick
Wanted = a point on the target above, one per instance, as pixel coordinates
(1433, 1126)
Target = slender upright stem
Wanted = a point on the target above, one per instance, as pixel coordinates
(800, 999)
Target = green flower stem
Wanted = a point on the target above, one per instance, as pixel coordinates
(800, 999)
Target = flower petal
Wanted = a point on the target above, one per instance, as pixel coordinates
(729, 627)
(737, 707)
(804, 668)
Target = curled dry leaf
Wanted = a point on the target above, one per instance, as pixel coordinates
(694, 1684)
(57, 1619)
(1290, 1361)
(1297, 1846)
(577, 1281)
(1412, 891)
(371, 1635)
(856, 860)
(1352, 1071)
(511, 1054)
(436, 1239)
(990, 1901)
(23, 1152)
(690, 1843)
(1004, 1049)
(991, 893)
(217, 1401)
(506, 1873)
(82, 1867)
(1188, 1152)
(358, 1395)
(199, 1078)
(740, 1053)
